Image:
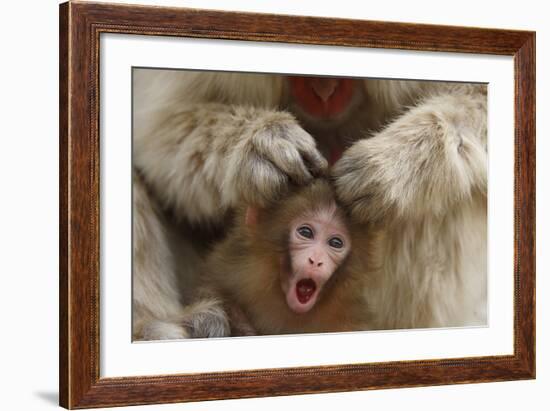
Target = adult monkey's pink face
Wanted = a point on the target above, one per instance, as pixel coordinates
(324, 98)
(326, 103)
(318, 244)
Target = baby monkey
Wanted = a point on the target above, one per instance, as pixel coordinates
(297, 266)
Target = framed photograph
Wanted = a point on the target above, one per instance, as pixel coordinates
(259, 205)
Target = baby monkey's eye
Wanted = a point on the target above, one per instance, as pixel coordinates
(305, 231)
(336, 242)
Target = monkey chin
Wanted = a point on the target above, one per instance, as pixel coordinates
(302, 294)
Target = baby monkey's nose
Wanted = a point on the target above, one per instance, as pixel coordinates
(312, 262)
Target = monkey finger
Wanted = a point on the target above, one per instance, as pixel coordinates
(315, 162)
(305, 144)
(361, 191)
(287, 158)
(261, 181)
(344, 169)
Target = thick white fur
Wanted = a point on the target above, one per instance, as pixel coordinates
(206, 142)
(423, 178)
(164, 264)
(156, 297)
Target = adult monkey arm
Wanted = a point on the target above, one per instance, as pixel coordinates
(424, 179)
(156, 298)
(427, 160)
(216, 140)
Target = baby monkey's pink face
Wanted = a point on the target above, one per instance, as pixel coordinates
(318, 243)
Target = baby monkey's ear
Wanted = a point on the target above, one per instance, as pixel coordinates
(252, 216)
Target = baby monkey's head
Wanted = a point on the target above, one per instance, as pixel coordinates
(310, 232)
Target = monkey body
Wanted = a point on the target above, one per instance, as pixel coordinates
(251, 285)
(433, 271)
(423, 178)
(413, 162)
(247, 269)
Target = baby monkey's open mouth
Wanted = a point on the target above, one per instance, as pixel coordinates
(305, 289)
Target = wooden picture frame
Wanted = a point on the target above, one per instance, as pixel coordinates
(80, 27)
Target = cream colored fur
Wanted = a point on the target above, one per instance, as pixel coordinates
(156, 294)
(206, 142)
(424, 179)
(164, 264)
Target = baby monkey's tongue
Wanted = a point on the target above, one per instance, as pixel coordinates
(305, 290)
